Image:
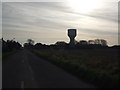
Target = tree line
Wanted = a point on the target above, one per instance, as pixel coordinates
(9, 45)
(97, 43)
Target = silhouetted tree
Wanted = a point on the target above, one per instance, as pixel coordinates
(10, 45)
(60, 43)
(91, 42)
(97, 41)
(25, 45)
(103, 42)
(30, 42)
(38, 46)
(116, 47)
(83, 42)
(76, 42)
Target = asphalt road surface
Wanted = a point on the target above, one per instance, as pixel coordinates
(25, 70)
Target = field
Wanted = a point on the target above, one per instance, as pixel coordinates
(6, 54)
(97, 66)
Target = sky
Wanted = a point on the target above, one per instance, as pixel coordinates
(48, 22)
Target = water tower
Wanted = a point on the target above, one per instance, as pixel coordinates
(72, 35)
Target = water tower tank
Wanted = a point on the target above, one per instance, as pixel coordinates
(72, 35)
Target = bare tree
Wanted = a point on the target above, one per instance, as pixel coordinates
(60, 43)
(103, 42)
(30, 42)
(83, 42)
(97, 41)
(91, 42)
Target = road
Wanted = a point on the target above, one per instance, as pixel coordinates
(25, 70)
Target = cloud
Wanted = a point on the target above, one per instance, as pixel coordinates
(56, 18)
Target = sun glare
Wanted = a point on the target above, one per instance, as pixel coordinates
(84, 6)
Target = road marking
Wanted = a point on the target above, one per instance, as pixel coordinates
(22, 84)
(31, 71)
(33, 78)
(22, 61)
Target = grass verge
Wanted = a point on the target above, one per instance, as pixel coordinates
(97, 67)
(6, 54)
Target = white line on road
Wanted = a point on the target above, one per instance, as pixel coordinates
(33, 78)
(30, 69)
(22, 61)
(31, 72)
(22, 84)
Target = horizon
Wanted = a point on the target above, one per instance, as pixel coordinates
(48, 22)
(53, 43)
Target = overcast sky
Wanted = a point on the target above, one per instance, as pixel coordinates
(47, 22)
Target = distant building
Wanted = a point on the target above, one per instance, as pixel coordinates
(72, 35)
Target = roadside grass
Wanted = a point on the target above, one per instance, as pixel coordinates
(6, 54)
(100, 67)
